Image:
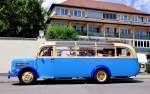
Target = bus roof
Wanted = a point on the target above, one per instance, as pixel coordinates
(71, 43)
(89, 43)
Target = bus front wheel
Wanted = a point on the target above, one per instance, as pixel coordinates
(27, 77)
(102, 76)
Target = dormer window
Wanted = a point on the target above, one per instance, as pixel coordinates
(93, 14)
(148, 20)
(109, 15)
(77, 13)
(138, 19)
(61, 11)
(124, 18)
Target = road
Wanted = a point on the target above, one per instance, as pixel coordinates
(138, 85)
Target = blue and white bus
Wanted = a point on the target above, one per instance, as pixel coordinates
(78, 59)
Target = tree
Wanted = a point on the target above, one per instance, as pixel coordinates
(21, 18)
(62, 33)
(4, 24)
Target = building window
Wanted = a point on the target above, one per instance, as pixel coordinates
(107, 15)
(111, 32)
(61, 11)
(148, 44)
(136, 44)
(125, 33)
(138, 19)
(141, 43)
(142, 35)
(77, 13)
(93, 31)
(148, 20)
(145, 45)
(124, 18)
(93, 14)
(81, 30)
(78, 28)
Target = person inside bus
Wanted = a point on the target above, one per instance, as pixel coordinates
(128, 53)
(100, 52)
(47, 51)
(91, 53)
(65, 53)
(72, 53)
(82, 53)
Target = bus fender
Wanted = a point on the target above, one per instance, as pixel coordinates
(29, 68)
(100, 67)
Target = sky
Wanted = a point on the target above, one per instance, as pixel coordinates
(143, 5)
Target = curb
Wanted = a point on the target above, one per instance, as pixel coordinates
(3, 74)
(147, 76)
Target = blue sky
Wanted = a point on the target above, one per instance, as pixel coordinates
(143, 5)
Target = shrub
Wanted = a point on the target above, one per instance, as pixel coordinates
(148, 67)
(62, 33)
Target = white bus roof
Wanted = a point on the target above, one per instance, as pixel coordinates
(89, 43)
(76, 42)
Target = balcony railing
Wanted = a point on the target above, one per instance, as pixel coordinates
(143, 37)
(96, 34)
(83, 33)
(126, 36)
(114, 35)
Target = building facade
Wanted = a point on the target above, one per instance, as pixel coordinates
(102, 20)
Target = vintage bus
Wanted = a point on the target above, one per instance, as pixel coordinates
(78, 59)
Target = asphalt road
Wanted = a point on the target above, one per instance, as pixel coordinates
(138, 85)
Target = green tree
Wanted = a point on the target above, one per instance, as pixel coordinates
(21, 18)
(4, 7)
(62, 33)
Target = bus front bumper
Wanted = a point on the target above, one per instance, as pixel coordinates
(12, 74)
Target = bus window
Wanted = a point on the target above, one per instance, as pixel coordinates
(100, 52)
(46, 51)
(123, 52)
(86, 51)
(65, 51)
(109, 52)
(105, 51)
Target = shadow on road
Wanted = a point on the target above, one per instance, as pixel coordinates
(69, 81)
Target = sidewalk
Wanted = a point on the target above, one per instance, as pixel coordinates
(147, 76)
(143, 76)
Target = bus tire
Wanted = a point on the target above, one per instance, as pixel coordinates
(102, 76)
(27, 77)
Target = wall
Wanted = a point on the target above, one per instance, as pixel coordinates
(11, 48)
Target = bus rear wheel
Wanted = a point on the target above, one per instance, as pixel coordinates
(27, 77)
(102, 76)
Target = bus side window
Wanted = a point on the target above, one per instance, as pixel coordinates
(105, 51)
(109, 52)
(123, 52)
(46, 51)
(100, 52)
(85, 51)
(65, 51)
